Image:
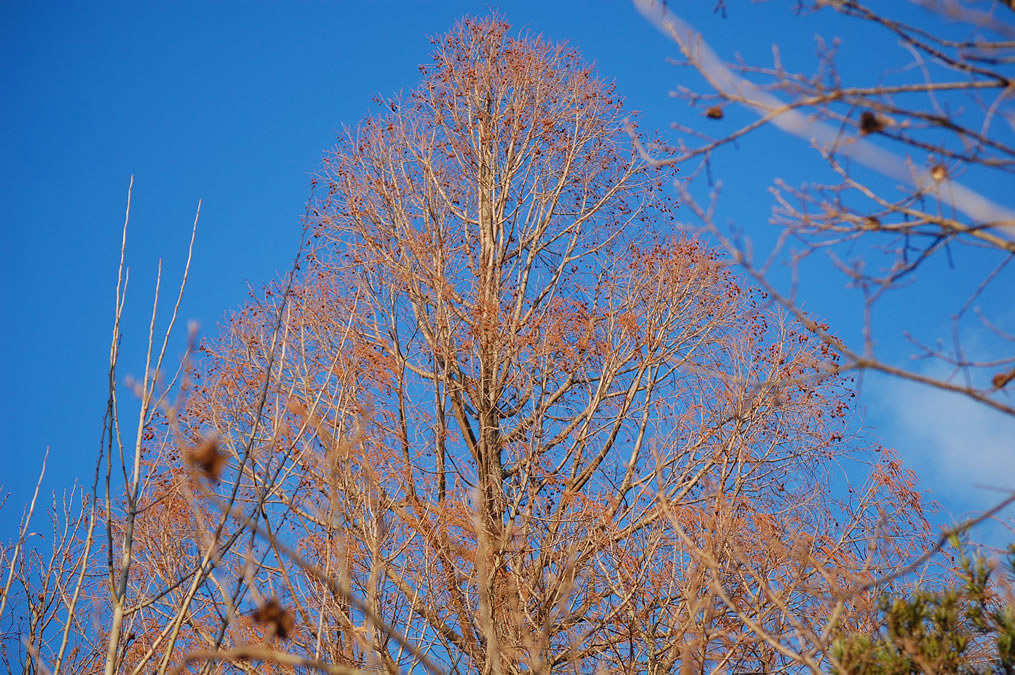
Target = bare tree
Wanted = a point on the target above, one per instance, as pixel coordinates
(501, 416)
(510, 403)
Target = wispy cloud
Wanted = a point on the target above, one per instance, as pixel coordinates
(963, 452)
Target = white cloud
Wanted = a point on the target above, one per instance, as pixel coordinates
(962, 451)
(967, 445)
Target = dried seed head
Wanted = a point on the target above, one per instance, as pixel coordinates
(275, 618)
(206, 457)
(938, 172)
(869, 123)
(714, 113)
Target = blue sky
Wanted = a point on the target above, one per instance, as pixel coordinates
(235, 104)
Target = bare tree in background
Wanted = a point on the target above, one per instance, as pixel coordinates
(905, 153)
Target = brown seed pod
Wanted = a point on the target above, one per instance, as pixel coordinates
(714, 113)
(938, 172)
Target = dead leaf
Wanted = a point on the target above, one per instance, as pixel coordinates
(275, 618)
(206, 457)
(1001, 379)
(870, 123)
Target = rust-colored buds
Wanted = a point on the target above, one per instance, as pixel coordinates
(714, 113)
